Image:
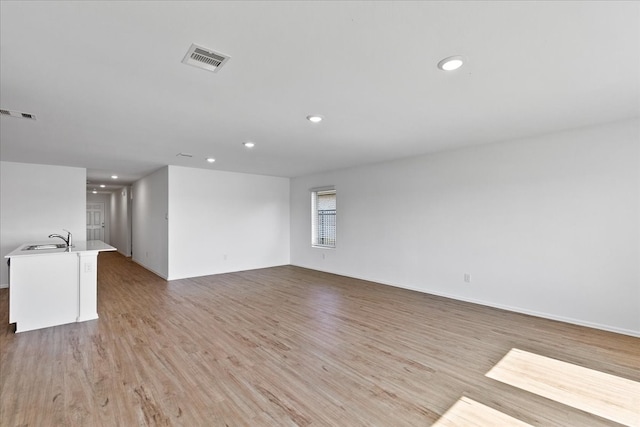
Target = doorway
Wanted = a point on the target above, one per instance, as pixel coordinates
(95, 221)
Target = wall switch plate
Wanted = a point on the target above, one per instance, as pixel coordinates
(467, 277)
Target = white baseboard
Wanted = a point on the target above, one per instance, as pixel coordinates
(235, 270)
(4, 285)
(150, 269)
(520, 310)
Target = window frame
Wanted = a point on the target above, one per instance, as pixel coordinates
(315, 237)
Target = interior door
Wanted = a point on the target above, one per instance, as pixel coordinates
(95, 221)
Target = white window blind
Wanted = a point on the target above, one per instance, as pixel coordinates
(323, 221)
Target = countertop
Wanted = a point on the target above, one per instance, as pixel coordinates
(81, 246)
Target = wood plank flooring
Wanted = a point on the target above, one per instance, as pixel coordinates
(467, 412)
(283, 346)
(573, 385)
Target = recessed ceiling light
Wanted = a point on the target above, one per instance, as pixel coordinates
(94, 192)
(249, 144)
(102, 185)
(451, 63)
(210, 159)
(314, 118)
(114, 176)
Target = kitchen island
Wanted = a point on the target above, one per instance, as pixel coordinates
(51, 286)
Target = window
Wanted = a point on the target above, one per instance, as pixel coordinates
(323, 218)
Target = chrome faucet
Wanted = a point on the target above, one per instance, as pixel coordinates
(67, 240)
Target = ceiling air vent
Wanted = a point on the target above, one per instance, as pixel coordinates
(17, 114)
(204, 58)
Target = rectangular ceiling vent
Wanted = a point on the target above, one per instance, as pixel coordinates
(17, 114)
(204, 58)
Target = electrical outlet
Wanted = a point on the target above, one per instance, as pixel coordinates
(224, 257)
(467, 278)
(322, 256)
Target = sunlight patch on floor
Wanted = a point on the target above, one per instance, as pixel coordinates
(607, 396)
(469, 413)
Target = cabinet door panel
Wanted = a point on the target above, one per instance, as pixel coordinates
(44, 291)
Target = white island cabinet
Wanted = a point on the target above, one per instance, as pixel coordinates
(49, 287)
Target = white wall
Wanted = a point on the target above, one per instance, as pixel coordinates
(106, 200)
(547, 226)
(120, 233)
(38, 200)
(149, 222)
(223, 221)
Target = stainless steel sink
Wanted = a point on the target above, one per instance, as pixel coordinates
(46, 246)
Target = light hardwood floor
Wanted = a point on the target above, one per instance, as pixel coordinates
(283, 346)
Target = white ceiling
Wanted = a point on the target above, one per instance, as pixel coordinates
(106, 82)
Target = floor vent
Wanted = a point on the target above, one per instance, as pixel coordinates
(204, 58)
(16, 114)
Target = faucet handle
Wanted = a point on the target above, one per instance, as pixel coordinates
(69, 237)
